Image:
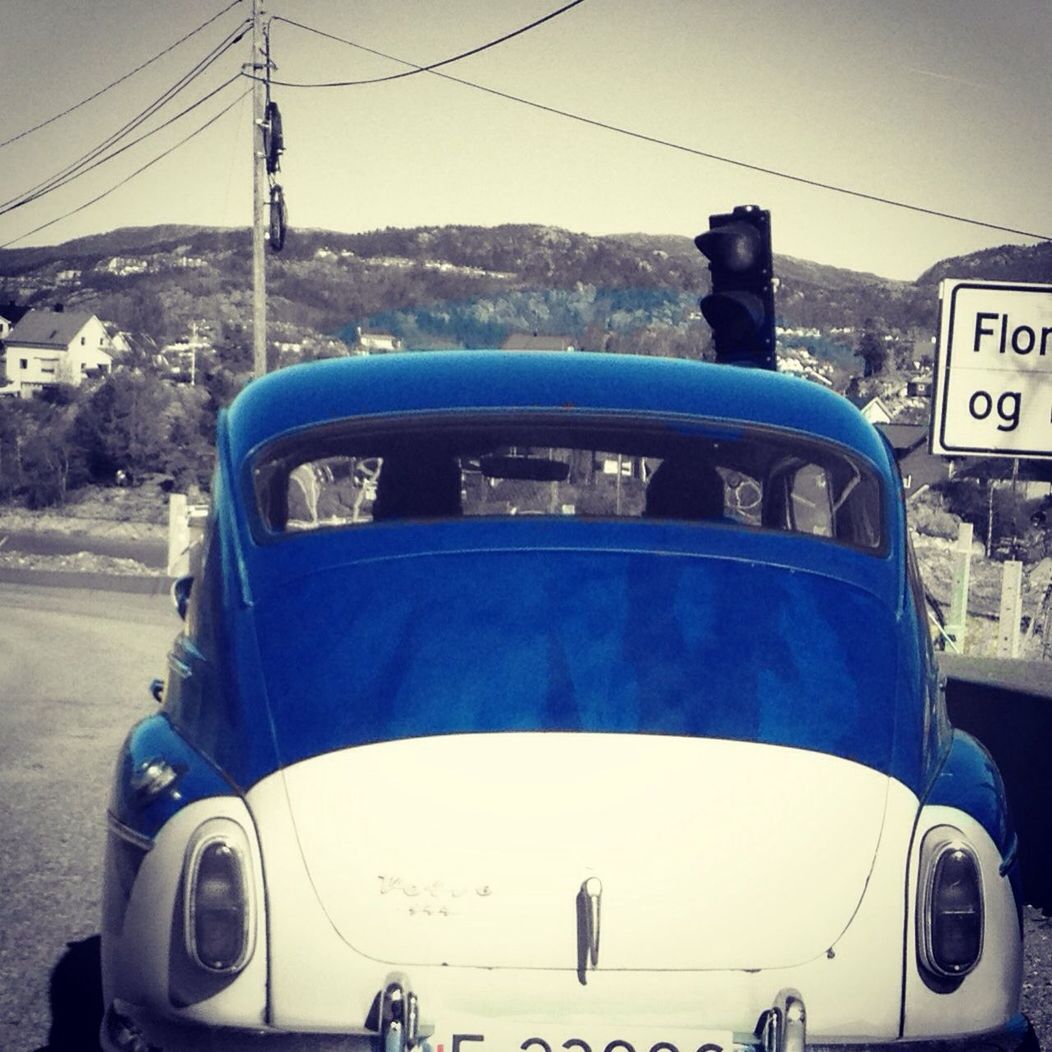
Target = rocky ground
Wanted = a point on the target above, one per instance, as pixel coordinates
(134, 513)
(937, 555)
(110, 511)
(1037, 972)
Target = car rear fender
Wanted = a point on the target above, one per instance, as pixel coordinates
(144, 960)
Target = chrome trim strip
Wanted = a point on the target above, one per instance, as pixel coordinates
(127, 834)
(593, 890)
(589, 901)
(180, 668)
(1009, 856)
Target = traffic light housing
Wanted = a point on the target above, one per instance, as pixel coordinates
(740, 307)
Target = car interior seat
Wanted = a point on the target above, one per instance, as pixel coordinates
(417, 484)
(685, 487)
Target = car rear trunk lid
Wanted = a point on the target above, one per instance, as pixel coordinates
(546, 850)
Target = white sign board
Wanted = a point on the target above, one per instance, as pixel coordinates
(993, 370)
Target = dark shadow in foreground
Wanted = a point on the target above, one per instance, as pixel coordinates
(1016, 726)
(76, 999)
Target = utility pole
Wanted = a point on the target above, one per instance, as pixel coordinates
(260, 195)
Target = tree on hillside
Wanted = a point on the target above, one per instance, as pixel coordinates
(872, 348)
(191, 454)
(126, 424)
(38, 461)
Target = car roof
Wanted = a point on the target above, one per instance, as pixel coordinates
(418, 382)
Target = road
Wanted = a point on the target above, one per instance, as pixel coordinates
(74, 669)
(150, 553)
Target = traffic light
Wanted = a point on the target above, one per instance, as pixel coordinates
(740, 308)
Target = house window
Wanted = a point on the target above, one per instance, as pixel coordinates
(83, 340)
(23, 363)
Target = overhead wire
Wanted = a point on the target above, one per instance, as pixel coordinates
(149, 164)
(417, 69)
(84, 164)
(121, 79)
(19, 203)
(432, 69)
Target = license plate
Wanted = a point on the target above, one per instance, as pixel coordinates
(546, 1038)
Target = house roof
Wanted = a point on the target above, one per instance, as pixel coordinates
(904, 437)
(863, 402)
(49, 328)
(918, 467)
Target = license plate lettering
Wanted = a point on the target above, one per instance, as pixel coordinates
(470, 1043)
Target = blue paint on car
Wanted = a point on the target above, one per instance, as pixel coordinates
(155, 739)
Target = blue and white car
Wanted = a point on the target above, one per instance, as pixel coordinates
(537, 701)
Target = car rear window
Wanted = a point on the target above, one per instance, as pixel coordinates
(354, 476)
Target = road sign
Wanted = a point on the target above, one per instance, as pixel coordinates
(993, 370)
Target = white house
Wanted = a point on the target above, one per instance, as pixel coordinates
(872, 408)
(371, 342)
(51, 347)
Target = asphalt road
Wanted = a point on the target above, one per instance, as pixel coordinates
(74, 670)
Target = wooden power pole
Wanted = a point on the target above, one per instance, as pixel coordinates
(260, 196)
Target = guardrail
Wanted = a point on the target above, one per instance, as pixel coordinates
(1007, 705)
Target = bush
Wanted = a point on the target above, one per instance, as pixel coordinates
(932, 520)
(140, 424)
(1012, 535)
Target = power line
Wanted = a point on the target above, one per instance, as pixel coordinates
(11, 206)
(655, 140)
(83, 164)
(418, 69)
(803, 180)
(119, 80)
(128, 178)
(64, 174)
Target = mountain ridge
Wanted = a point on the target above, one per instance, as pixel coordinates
(457, 285)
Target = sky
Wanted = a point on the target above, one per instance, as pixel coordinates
(935, 104)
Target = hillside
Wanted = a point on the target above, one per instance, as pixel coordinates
(1005, 263)
(464, 286)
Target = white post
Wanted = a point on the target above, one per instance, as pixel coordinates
(957, 624)
(1011, 610)
(178, 535)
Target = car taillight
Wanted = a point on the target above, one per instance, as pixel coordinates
(950, 921)
(218, 914)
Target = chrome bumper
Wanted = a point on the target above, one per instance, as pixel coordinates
(782, 1028)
